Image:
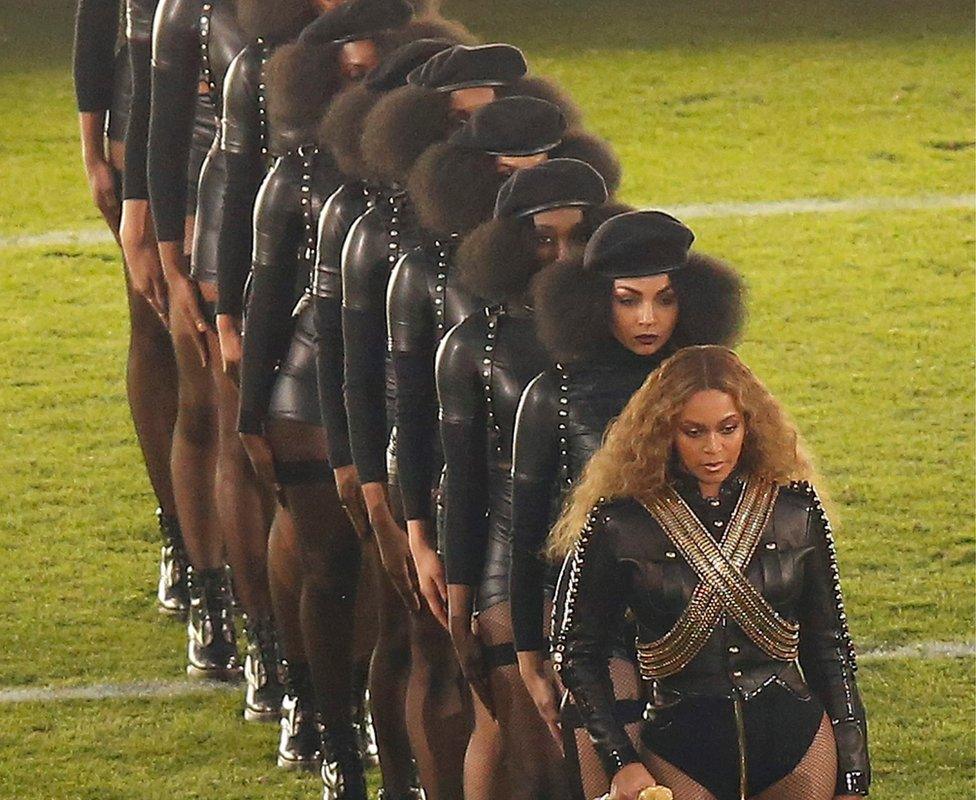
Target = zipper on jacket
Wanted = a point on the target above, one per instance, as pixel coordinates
(740, 729)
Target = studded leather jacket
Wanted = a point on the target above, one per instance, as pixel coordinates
(374, 244)
(244, 144)
(424, 301)
(561, 421)
(194, 42)
(624, 561)
(287, 209)
(347, 204)
(483, 366)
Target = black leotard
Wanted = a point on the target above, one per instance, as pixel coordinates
(372, 248)
(287, 207)
(424, 301)
(483, 366)
(193, 43)
(349, 202)
(561, 421)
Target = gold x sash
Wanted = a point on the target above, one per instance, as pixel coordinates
(723, 588)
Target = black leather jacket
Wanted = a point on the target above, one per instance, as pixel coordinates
(561, 421)
(193, 44)
(244, 144)
(424, 301)
(286, 212)
(483, 366)
(374, 244)
(347, 204)
(624, 561)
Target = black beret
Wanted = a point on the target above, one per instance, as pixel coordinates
(513, 126)
(464, 67)
(559, 183)
(393, 70)
(357, 19)
(637, 244)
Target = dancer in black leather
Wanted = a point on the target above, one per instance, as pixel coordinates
(193, 42)
(561, 421)
(396, 131)
(487, 370)
(702, 490)
(112, 117)
(337, 49)
(435, 715)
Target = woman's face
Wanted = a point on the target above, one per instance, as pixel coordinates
(357, 59)
(645, 312)
(553, 231)
(464, 102)
(509, 165)
(709, 438)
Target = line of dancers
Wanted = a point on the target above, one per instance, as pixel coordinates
(397, 354)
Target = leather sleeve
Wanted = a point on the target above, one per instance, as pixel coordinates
(587, 619)
(535, 474)
(278, 228)
(96, 30)
(135, 184)
(343, 207)
(175, 73)
(242, 143)
(413, 338)
(463, 434)
(827, 655)
(365, 271)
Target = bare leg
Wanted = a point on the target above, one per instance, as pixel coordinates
(284, 576)
(194, 452)
(151, 382)
(439, 712)
(243, 503)
(388, 675)
(331, 557)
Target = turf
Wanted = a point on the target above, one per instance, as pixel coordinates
(860, 322)
(77, 751)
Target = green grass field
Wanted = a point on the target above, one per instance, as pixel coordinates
(861, 322)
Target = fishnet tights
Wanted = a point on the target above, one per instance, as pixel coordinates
(531, 756)
(812, 779)
(626, 686)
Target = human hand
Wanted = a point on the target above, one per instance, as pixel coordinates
(141, 256)
(430, 569)
(261, 456)
(231, 345)
(351, 497)
(544, 689)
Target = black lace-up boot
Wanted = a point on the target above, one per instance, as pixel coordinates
(262, 698)
(343, 776)
(172, 594)
(212, 642)
(413, 793)
(298, 745)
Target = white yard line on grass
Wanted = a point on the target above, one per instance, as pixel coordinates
(172, 689)
(88, 236)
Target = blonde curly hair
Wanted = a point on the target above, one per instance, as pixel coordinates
(637, 458)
